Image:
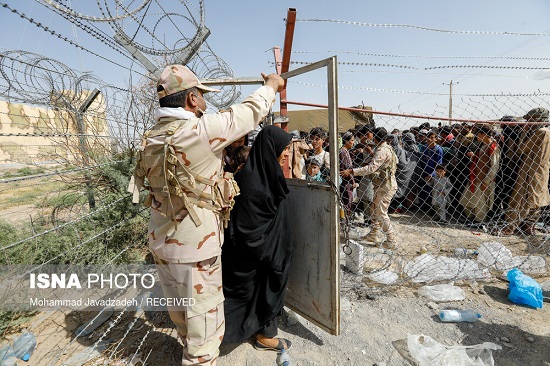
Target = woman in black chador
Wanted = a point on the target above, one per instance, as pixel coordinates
(258, 247)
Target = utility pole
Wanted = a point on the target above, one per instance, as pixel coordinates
(450, 101)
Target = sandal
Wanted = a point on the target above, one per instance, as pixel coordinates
(283, 344)
(505, 231)
(528, 230)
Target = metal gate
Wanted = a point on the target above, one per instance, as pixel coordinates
(314, 283)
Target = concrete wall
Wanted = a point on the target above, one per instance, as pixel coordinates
(33, 135)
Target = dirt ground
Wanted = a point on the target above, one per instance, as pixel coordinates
(373, 327)
(372, 332)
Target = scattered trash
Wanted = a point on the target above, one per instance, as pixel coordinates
(356, 259)
(526, 263)
(428, 352)
(457, 316)
(426, 268)
(545, 286)
(462, 252)
(524, 289)
(494, 254)
(7, 356)
(292, 318)
(283, 359)
(24, 345)
(93, 323)
(384, 276)
(442, 293)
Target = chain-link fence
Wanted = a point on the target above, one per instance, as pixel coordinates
(427, 199)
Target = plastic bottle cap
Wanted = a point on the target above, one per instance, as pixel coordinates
(26, 357)
(479, 316)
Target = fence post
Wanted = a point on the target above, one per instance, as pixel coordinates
(82, 141)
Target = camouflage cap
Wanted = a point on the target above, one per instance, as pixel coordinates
(176, 78)
(537, 114)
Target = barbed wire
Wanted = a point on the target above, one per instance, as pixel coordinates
(55, 134)
(82, 243)
(97, 210)
(425, 56)
(538, 93)
(417, 27)
(349, 63)
(61, 37)
(61, 172)
(59, 6)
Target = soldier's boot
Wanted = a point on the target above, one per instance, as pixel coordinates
(373, 237)
(391, 240)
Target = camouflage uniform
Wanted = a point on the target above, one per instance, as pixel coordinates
(381, 169)
(183, 155)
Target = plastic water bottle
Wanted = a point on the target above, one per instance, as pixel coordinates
(464, 251)
(24, 346)
(7, 356)
(283, 359)
(454, 316)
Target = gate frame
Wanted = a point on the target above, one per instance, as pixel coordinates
(332, 82)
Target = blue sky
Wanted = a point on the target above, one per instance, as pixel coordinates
(243, 33)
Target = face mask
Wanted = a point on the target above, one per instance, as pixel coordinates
(200, 112)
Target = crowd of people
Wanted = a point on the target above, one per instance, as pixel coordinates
(188, 159)
(469, 173)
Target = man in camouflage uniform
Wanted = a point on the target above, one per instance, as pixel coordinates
(381, 169)
(190, 198)
(530, 192)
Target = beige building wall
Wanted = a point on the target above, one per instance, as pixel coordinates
(33, 135)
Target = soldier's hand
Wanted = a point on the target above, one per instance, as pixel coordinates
(346, 173)
(275, 81)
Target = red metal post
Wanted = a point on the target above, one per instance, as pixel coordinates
(287, 51)
(282, 64)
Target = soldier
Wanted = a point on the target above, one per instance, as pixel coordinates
(530, 192)
(382, 169)
(190, 199)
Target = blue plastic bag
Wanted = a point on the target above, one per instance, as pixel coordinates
(524, 289)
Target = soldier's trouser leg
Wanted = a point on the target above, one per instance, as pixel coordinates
(380, 206)
(515, 216)
(201, 326)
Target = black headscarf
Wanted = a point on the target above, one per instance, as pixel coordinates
(409, 142)
(262, 184)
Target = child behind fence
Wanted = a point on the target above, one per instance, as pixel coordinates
(441, 187)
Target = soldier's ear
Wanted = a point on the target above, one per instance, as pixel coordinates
(190, 100)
